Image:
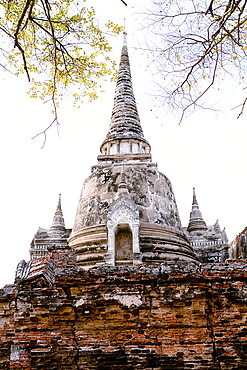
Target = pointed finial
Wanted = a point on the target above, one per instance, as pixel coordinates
(125, 39)
(194, 197)
(196, 221)
(124, 34)
(58, 220)
(59, 208)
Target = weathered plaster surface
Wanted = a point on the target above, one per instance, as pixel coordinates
(149, 189)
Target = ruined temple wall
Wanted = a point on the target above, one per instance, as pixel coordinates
(176, 316)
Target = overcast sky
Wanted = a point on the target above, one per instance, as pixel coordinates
(207, 152)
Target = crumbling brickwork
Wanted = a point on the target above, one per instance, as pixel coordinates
(175, 316)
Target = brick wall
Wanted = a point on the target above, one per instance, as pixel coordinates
(176, 316)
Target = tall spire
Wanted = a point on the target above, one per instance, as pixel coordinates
(196, 221)
(125, 121)
(58, 224)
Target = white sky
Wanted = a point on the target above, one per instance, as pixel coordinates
(207, 152)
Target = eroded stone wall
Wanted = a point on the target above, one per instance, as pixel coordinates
(176, 316)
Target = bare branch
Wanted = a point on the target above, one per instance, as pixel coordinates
(17, 44)
(194, 101)
(210, 8)
(194, 45)
(242, 109)
(44, 132)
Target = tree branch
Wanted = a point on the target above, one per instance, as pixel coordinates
(242, 109)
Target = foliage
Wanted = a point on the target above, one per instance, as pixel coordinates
(58, 44)
(196, 44)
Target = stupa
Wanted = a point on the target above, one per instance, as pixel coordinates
(209, 242)
(127, 213)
